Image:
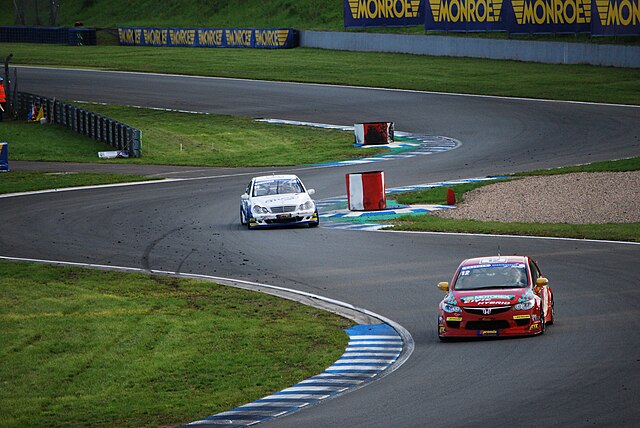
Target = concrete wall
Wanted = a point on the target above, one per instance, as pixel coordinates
(519, 50)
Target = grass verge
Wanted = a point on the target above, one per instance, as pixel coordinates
(26, 181)
(95, 348)
(173, 138)
(401, 71)
(610, 231)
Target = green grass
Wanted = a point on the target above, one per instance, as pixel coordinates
(299, 14)
(460, 75)
(26, 181)
(612, 231)
(96, 348)
(309, 14)
(172, 138)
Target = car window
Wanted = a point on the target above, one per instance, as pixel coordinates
(507, 275)
(535, 272)
(277, 187)
(289, 186)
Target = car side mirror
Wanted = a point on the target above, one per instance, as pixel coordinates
(244, 197)
(541, 282)
(311, 191)
(444, 286)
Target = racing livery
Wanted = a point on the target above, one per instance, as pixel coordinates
(495, 296)
(277, 200)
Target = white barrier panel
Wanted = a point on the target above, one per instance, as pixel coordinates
(366, 191)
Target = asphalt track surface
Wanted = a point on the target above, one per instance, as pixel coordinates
(584, 371)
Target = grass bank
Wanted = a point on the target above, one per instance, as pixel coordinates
(26, 181)
(611, 231)
(401, 71)
(95, 348)
(173, 138)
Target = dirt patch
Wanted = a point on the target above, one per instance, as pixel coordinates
(580, 198)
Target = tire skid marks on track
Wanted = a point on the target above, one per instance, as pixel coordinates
(371, 350)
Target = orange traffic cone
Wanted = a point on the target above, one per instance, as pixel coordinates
(451, 197)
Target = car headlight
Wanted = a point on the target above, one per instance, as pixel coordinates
(451, 308)
(257, 209)
(525, 306)
(306, 206)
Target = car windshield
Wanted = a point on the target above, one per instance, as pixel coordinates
(506, 275)
(277, 187)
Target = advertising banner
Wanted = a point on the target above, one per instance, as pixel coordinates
(383, 13)
(4, 157)
(616, 18)
(276, 38)
(598, 17)
(464, 15)
(548, 16)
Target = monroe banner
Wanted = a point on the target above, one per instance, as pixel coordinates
(598, 17)
(383, 13)
(278, 38)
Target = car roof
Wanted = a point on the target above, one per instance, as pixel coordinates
(275, 177)
(494, 260)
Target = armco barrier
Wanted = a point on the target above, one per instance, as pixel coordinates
(100, 128)
(53, 35)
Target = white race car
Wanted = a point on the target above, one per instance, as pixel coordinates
(277, 200)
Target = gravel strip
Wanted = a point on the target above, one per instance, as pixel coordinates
(580, 198)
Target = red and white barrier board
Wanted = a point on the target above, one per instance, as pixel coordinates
(366, 191)
(373, 133)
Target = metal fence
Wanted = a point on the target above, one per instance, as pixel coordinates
(100, 128)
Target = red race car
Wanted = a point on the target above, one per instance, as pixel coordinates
(495, 296)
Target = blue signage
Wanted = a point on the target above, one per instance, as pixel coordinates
(383, 13)
(277, 38)
(4, 157)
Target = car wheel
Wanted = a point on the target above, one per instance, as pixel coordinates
(553, 314)
(243, 219)
(543, 324)
(315, 223)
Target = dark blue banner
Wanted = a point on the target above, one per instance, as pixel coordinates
(548, 16)
(616, 18)
(4, 157)
(464, 15)
(278, 38)
(383, 13)
(600, 17)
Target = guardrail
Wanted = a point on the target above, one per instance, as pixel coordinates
(100, 128)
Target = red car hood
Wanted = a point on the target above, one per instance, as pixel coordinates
(493, 297)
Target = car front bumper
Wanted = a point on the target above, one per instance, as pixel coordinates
(286, 219)
(525, 323)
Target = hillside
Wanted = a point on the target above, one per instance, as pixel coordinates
(301, 14)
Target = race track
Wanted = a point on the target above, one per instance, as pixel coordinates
(584, 371)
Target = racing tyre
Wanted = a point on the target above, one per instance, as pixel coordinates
(543, 324)
(243, 219)
(315, 223)
(553, 313)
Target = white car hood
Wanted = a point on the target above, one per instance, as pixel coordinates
(280, 200)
